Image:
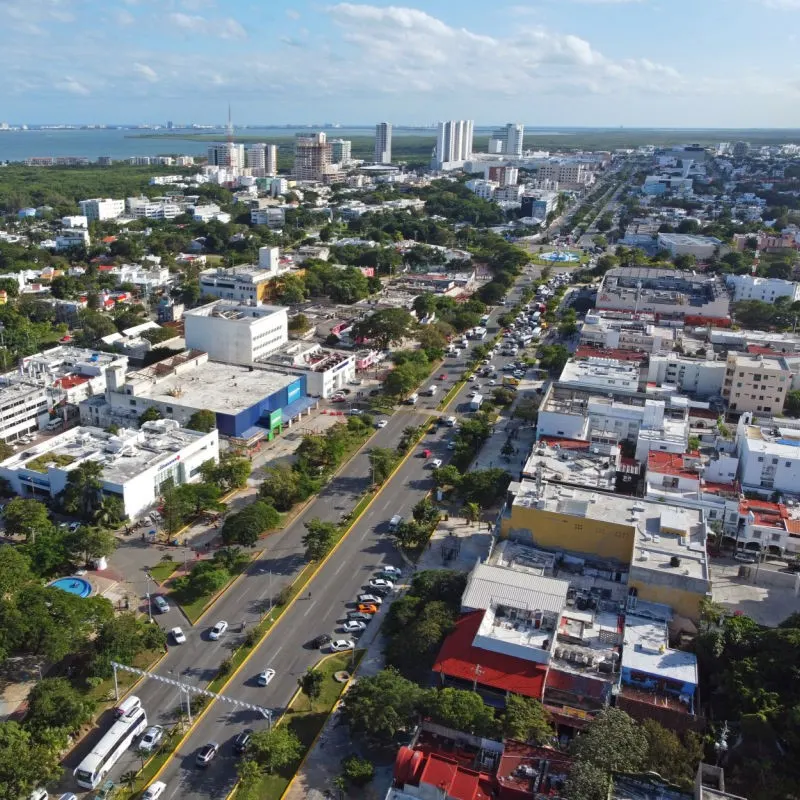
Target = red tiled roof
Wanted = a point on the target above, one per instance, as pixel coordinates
(793, 526)
(719, 488)
(458, 659)
(565, 444)
(108, 239)
(669, 464)
(71, 381)
(758, 350)
(443, 773)
(766, 515)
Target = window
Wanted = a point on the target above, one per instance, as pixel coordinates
(169, 409)
(761, 459)
(776, 537)
(756, 534)
(789, 464)
(132, 402)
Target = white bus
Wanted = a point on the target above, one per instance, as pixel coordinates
(107, 751)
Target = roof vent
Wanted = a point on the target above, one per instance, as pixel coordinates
(675, 561)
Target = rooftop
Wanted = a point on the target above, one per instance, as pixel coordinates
(678, 465)
(687, 239)
(765, 515)
(123, 455)
(645, 787)
(247, 273)
(594, 369)
(235, 312)
(773, 363)
(191, 380)
(490, 585)
(588, 642)
(647, 650)
(574, 462)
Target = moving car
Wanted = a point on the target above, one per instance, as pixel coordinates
(161, 604)
(178, 636)
(340, 645)
(206, 754)
(154, 790)
(218, 630)
(436, 463)
(354, 626)
(241, 740)
(151, 739)
(265, 677)
(320, 641)
(381, 583)
(381, 423)
(443, 376)
(367, 608)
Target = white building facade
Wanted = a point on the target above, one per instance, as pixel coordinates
(767, 290)
(453, 144)
(98, 209)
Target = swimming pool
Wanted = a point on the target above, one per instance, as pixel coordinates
(74, 585)
(560, 256)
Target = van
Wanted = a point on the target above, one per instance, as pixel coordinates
(128, 707)
(395, 522)
(54, 424)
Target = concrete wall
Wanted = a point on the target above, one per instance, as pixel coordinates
(683, 600)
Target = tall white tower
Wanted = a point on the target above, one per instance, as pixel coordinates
(383, 143)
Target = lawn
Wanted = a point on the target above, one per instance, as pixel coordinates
(306, 720)
(194, 609)
(163, 570)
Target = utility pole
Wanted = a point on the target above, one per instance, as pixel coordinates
(148, 577)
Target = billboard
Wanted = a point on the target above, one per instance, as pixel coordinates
(293, 393)
(275, 419)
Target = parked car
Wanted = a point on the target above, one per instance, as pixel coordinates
(357, 616)
(206, 754)
(265, 677)
(436, 463)
(746, 558)
(151, 739)
(340, 645)
(320, 641)
(218, 630)
(178, 636)
(370, 598)
(389, 569)
(381, 583)
(367, 608)
(354, 626)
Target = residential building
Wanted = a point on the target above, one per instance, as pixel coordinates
(481, 188)
(595, 464)
(756, 383)
(245, 283)
(99, 209)
(72, 237)
(601, 374)
(702, 378)
(326, 371)
(136, 464)
(235, 333)
(383, 143)
(767, 290)
(569, 175)
(262, 159)
(741, 149)
(666, 294)
(226, 154)
(769, 457)
(249, 402)
(605, 332)
(764, 527)
(709, 785)
(341, 151)
(684, 244)
(144, 208)
(209, 212)
(312, 157)
(658, 550)
(278, 187)
(667, 184)
(504, 175)
(509, 194)
(507, 140)
(539, 204)
(75, 221)
(453, 144)
(271, 216)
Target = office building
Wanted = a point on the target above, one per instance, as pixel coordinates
(249, 402)
(453, 145)
(234, 333)
(507, 141)
(246, 283)
(145, 208)
(571, 175)
(98, 209)
(136, 464)
(756, 383)
(256, 155)
(341, 151)
(701, 378)
(226, 154)
(326, 371)
(312, 157)
(504, 175)
(602, 332)
(767, 290)
(481, 188)
(684, 244)
(383, 143)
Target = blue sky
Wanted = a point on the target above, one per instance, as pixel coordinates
(670, 63)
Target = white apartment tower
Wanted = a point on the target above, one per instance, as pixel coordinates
(383, 143)
(262, 159)
(507, 141)
(102, 208)
(226, 154)
(341, 151)
(453, 144)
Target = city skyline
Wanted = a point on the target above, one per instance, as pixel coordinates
(603, 63)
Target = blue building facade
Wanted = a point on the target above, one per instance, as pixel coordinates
(264, 414)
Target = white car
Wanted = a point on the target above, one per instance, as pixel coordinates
(341, 645)
(265, 677)
(354, 626)
(151, 739)
(370, 598)
(381, 583)
(471, 377)
(178, 636)
(436, 463)
(218, 630)
(154, 790)
(451, 445)
(472, 394)
(394, 570)
(492, 383)
(381, 423)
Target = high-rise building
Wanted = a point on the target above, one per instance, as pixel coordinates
(453, 144)
(312, 157)
(383, 143)
(507, 141)
(226, 154)
(262, 159)
(271, 160)
(341, 151)
(741, 149)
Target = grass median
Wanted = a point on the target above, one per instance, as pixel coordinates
(306, 718)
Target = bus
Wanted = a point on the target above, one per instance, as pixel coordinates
(478, 332)
(107, 751)
(485, 319)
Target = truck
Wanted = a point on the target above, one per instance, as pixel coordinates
(475, 403)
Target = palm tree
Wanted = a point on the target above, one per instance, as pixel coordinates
(472, 512)
(129, 779)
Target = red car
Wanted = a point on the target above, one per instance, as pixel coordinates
(338, 399)
(443, 377)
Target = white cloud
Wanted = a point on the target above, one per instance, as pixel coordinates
(148, 73)
(227, 28)
(72, 86)
(781, 5)
(123, 17)
(292, 14)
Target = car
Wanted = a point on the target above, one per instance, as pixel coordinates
(74, 526)
(471, 377)
(451, 445)
(435, 463)
(472, 394)
(341, 645)
(355, 412)
(355, 382)
(178, 636)
(492, 383)
(381, 583)
(443, 376)
(218, 630)
(476, 386)
(320, 641)
(370, 598)
(265, 677)
(389, 569)
(161, 604)
(206, 754)
(68, 796)
(154, 790)
(241, 740)
(343, 391)
(151, 739)
(338, 398)
(367, 608)
(451, 421)
(746, 558)
(381, 423)
(354, 626)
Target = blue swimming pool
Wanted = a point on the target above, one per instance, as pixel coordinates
(74, 585)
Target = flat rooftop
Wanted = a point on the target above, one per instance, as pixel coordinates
(123, 455)
(646, 649)
(587, 639)
(234, 312)
(490, 585)
(595, 368)
(574, 462)
(248, 273)
(776, 363)
(221, 388)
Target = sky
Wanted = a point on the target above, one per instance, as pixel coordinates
(604, 63)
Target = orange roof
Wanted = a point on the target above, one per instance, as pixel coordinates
(765, 515)
(565, 444)
(793, 526)
(71, 381)
(108, 239)
(670, 464)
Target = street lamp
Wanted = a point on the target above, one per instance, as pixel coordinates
(148, 577)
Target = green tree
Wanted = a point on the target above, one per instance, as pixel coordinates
(613, 742)
(248, 771)
(122, 638)
(386, 327)
(55, 703)
(382, 461)
(151, 414)
(357, 771)
(425, 512)
(275, 749)
(587, 781)
(6, 451)
(310, 682)
(281, 486)
(668, 756)
(320, 537)
(791, 406)
(15, 569)
(89, 543)
(299, 323)
(527, 720)
(202, 421)
(230, 473)
(246, 526)
(400, 381)
(464, 711)
(484, 486)
(111, 511)
(447, 475)
(25, 517)
(24, 764)
(83, 494)
(471, 512)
